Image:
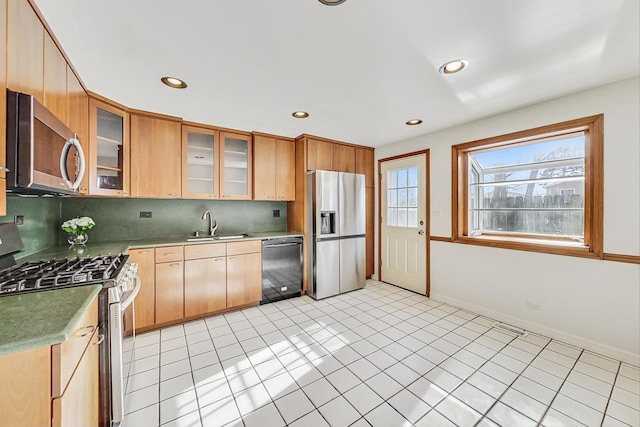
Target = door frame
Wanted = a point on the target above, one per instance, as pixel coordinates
(427, 212)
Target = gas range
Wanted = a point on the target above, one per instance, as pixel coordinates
(54, 274)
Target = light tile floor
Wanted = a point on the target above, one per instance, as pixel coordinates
(380, 356)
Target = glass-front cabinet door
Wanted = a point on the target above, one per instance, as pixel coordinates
(236, 167)
(109, 151)
(200, 163)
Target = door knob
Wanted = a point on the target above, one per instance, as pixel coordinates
(421, 232)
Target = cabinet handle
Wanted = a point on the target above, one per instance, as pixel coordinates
(174, 264)
(144, 252)
(3, 169)
(232, 257)
(168, 253)
(100, 339)
(219, 259)
(91, 329)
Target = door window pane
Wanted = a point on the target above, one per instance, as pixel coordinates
(402, 192)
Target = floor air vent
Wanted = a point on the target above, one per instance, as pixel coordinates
(520, 332)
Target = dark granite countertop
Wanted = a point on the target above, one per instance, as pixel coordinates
(45, 318)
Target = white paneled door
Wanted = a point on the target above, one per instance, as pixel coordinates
(403, 223)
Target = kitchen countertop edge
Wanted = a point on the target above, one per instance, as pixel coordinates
(116, 247)
(38, 319)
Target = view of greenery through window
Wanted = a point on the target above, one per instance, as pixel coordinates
(535, 188)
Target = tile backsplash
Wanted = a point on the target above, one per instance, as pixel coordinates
(119, 219)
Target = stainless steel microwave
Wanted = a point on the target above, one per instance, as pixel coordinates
(44, 156)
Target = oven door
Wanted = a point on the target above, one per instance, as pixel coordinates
(118, 303)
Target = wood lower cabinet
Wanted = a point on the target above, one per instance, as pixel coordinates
(205, 278)
(144, 305)
(191, 281)
(26, 388)
(169, 274)
(244, 273)
(169, 291)
(54, 385)
(205, 286)
(78, 406)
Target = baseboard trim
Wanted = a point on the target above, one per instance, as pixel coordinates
(605, 350)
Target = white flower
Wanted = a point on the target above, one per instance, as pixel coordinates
(78, 225)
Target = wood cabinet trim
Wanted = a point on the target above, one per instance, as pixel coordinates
(66, 355)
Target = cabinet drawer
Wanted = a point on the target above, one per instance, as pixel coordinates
(247, 247)
(65, 356)
(209, 250)
(169, 254)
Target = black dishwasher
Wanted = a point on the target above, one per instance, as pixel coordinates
(281, 268)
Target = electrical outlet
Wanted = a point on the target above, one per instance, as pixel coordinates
(145, 214)
(18, 219)
(276, 213)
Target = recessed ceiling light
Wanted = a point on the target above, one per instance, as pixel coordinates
(332, 2)
(300, 114)
(173, 82)
(414, 122)
(453, 67)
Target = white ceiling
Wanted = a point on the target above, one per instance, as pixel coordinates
(361, 69)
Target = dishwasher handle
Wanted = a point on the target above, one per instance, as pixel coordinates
(281, 245)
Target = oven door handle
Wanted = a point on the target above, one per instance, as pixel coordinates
(134, 293)
(73, 142)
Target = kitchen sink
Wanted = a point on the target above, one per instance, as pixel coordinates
(210, 238)
(200, 239)
(232, 236)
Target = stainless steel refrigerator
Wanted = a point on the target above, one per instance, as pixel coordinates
(336, 227)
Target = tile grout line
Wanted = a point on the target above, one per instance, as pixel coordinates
(613, 386)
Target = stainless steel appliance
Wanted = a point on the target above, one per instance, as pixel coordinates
(120, 286)
(281, 269)
(336, 221)
(44, 156)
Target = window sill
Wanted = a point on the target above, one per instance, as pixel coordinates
(544, 246)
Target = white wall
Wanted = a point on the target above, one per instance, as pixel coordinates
(591, 303)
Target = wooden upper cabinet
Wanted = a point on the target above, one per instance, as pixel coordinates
(285, 170)
(273, 168)
(156, 155)
(364, 165)
(55, 79)
(25, 49)
(319, 155)
(236, 167)
(344, 158)
(3, 104)
(78, 119)
(264, 168)
(200, 163)
(108, 149)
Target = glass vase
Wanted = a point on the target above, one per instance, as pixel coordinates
(79, 239)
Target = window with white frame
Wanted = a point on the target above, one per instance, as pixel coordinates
(539, 189)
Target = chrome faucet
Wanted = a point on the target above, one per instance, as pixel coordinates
(213, 225)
